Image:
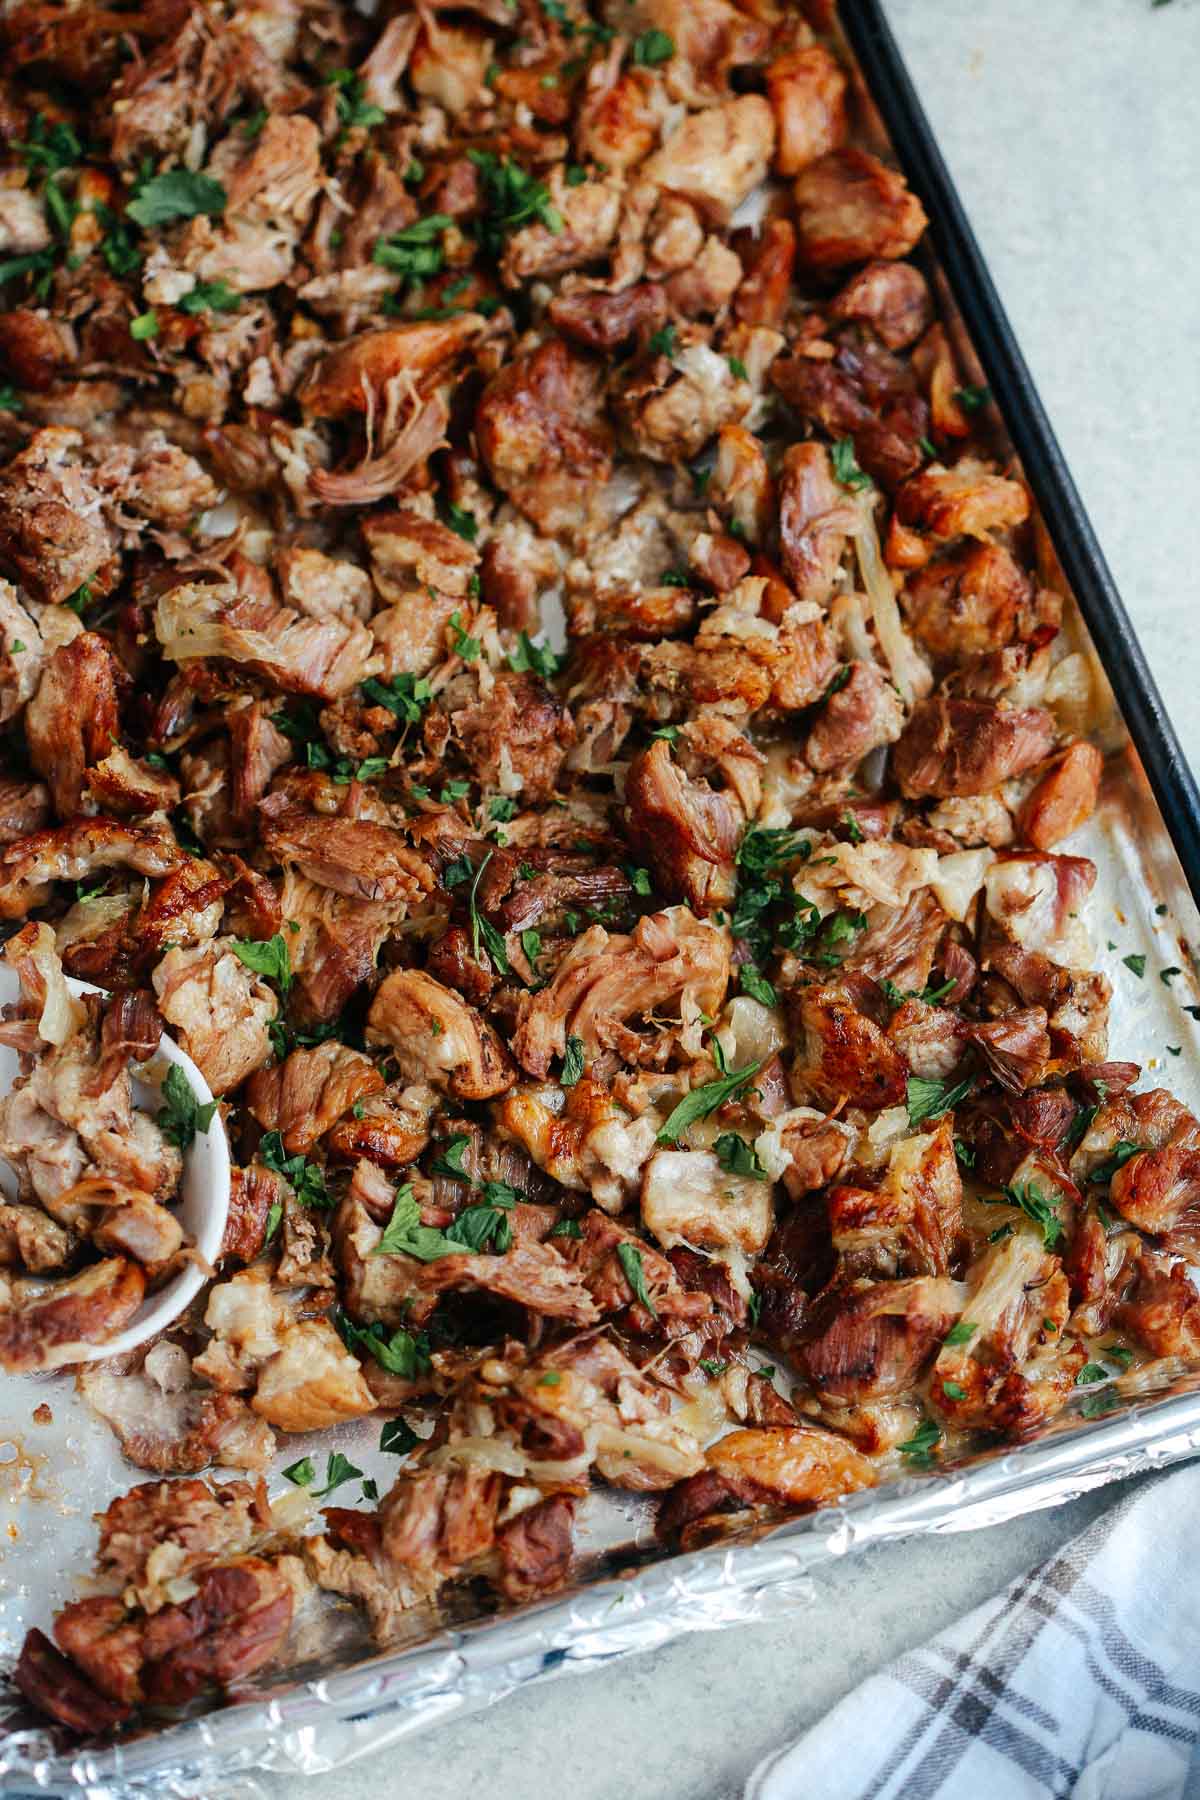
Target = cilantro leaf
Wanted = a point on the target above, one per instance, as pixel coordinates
(1033, 1203)
(540, 658)
(268, 958)
(405, 696)
(210, 296)
(706, 1099)
(918, 1450)
(961, 1333)
(653, 48)
(301, 1473)
(572, 1067)
(398, 1437)
(403, 1353)
(482, 930)
(179, 194)
(630, 1259)
(181, 1115)
(305, 1177)
(737, 1157)
(930, 1099)
(845, 465)
(338, 1469)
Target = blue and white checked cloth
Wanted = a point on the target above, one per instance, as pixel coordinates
(1082, 1679)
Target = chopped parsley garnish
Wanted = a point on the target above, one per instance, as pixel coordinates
(705, 1100)
(144, 326)
(971, 399)
(10, 399)
(653, 48)
(404, 696)
(930, 1099)
(461, 521)
(501, 808)
(268, 958)
(179, 194)
(954, 1390)
(1136, 965)
(49, 147)
(961, 1333)
(301, 1473)
(1123, 1150)
(755, 983)
(566, 1228)
(737, 368)
(274, 1220)
(1033, 1203)
(662, 342)
(964, 1154)
(539, 658)
(737, 1157)
(1090, 1374)
(471, 1232)
(630, 1259)
(352, 109)
(713, 1365)
(210, 296)
(845, 465)
(469, 648)
(929, 994)
(918, 1450)
(307, 1179)
(482, 930)
(338, 1469)
(398, 1437)
(403, 1353)
(572, 1067)
(513, 198)
(1167, 975)
(1096, 1405)
(416, 253)
(639, 879)
(181, 1115)
(450, 1162)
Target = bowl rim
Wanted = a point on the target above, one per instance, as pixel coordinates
(160, 1309)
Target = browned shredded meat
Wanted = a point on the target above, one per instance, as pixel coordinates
(585, 1007)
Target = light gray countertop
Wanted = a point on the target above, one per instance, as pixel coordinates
(1071, 127)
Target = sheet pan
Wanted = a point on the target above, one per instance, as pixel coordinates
(340, 1701)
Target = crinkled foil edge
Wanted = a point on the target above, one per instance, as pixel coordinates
(318, 1726)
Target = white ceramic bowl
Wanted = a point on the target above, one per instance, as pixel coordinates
(204, 1206)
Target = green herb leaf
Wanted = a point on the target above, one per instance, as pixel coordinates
(398, 1437)
(845, 465)
(305, 1177)
(301, 1473)
(539, 658)
(143, 327)
(971, 399)
(405, 696)
(713, 1365)
(1135, 964)
(705, 1100)
(179, 194)
(954, 1390)
(930, 1099)
(404, 1234)
(400, 1354)
(482, 930)
(737, 1157)
(337, 1470)
(274, 1219)
(653, 48)
(961, 1333)
(630, 1259)
(662, 342)
(49, 147)
(268, 958)
(1091, 1373)
(1033, 1203)
(513, 198)
(1123, 1150)
(566, 1228)
(181, 1115)
(918, 1450)
(210, 296)
(754, 983)
(572, 1067)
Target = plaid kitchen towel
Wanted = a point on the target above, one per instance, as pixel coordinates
(1081, 1679)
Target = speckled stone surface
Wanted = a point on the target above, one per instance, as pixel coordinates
(1071, 128)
